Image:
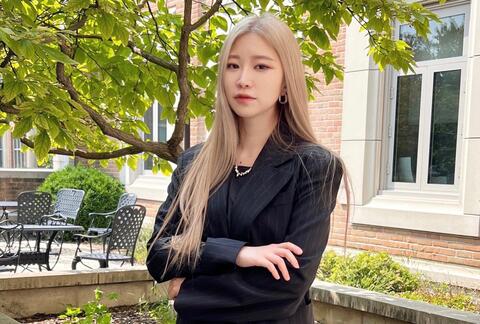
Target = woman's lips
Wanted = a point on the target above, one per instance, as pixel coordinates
(244, 99)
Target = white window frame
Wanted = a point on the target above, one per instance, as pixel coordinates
(427, 69)
(155, 118)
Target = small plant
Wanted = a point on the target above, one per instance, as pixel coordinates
(162, 312)
(372, 271)
(92, 312)
(443, 295)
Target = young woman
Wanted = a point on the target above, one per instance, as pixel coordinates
(247, 216)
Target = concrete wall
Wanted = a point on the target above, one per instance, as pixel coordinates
(23, 295)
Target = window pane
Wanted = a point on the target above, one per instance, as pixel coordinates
(19, 158)
(406, 128)
(162, 126)
(148, 119)
(445, 39)
(443, 133)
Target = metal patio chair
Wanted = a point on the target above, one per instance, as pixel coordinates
(10, 244)
(126, 226)
(65, 210)
(32, 205)
(126, 199)
(68, 204)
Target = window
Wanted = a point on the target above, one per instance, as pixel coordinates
(1, 151)
(12, 157)
(426, 107)
(19, 158)
(158, 130)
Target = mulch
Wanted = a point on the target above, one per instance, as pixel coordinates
(120, 315)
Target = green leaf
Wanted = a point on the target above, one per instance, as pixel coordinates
(132, 162)
(319, 37)
(106, 23)
(22, 127)
(122, 34)
(56, 55)
(263, 3)
(75, 5)
(220, 22)
(3, 129)
(165, 167)
(42, 145)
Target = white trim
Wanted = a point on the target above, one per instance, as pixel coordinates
(433, 215)
(25, 173)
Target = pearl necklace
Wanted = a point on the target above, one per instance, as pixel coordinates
(241, 174)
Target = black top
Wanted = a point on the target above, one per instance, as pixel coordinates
(234, 185)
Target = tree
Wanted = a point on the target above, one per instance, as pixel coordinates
(77, 76)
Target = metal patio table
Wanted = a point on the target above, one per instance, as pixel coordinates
(37, 256)
(4, 204)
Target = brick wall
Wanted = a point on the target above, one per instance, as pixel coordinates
(11, 187)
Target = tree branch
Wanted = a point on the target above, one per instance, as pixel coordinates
(213, 9)
(7, 59)
(88, 155)
(182, 77)
(152, 58)
(9, 109)
(149, 57)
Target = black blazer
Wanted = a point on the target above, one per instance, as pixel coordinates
(283, 201)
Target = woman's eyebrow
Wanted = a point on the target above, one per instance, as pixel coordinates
(235, 56)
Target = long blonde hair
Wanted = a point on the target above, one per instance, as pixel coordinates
(213, 163)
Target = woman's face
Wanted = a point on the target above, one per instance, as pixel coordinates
(253, 78)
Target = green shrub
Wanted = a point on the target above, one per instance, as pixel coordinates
(443, 295)
(372, 271)
(101, 190)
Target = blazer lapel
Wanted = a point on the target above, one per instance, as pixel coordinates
(270, 172)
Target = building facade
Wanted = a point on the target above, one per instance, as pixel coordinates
(409, 142)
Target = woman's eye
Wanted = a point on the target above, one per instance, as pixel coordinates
(232, 65)
(262, 67)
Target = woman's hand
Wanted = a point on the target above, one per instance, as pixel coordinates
(174, 287)
(268, 256)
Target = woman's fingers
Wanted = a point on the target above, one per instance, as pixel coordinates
(281, 265)
(289, 256)
(271, 267)
(292, 247)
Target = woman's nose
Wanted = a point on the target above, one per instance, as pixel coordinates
(244, 79)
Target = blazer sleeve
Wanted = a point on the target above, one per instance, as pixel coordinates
(216, 254)
(252, 294)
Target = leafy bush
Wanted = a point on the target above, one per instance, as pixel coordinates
(101, 190)
(443, 295)
(372, 271)
(378, 272)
